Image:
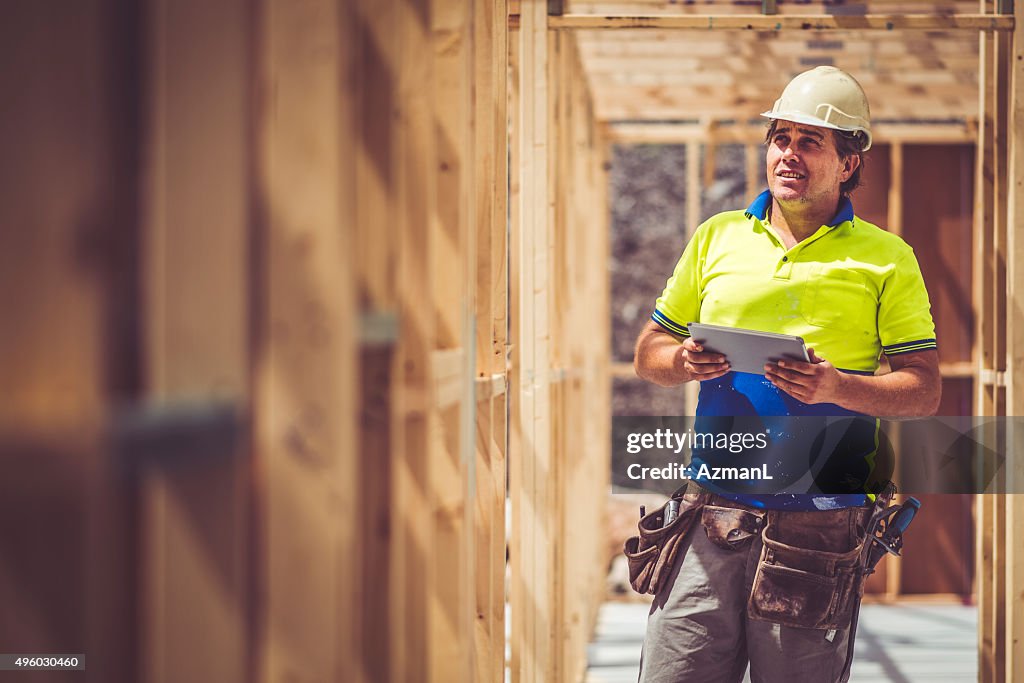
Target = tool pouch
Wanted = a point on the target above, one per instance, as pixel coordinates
(809, 574)
(651, 554)
(729, 527)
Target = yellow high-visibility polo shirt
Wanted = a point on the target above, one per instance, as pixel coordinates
(851, 290)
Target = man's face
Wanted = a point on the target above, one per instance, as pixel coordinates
(804, 165)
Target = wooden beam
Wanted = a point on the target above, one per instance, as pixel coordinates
(490, 124)
(801, 6)
(561, 137)
(990, 289)
(678, 133)
(933, 81)
(1015, 353)
(895, 217)
(693, 187)
(807, 22)
(416, 170)
(738, 63)
(710, 154)
(516, 471)
(450, 449)
(531, 554)
(371, 86)
(197, 345)
(855, 44)
(983, 237)
(893, 565)
(984, 577)
(680, 103)
(957, 370)
(754, 167)
(694, 214)
(301, 373)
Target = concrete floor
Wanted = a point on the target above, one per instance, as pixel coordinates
(906, 643)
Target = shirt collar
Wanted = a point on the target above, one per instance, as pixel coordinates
(759, 209)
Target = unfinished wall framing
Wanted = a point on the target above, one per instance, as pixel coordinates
(559, 464)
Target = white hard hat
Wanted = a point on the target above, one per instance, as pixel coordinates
(826, 96)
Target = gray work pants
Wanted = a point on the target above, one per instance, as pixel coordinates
(698, 629)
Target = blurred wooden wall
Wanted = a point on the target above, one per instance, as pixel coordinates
(69, 339)
(258, 344)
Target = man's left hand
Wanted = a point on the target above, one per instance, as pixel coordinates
(814, 382)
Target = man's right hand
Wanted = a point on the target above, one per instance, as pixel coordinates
(699, 364)
(667, 361)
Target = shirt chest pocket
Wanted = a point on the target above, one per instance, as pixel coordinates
(838, 298)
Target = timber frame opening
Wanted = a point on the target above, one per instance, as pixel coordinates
(649, 80)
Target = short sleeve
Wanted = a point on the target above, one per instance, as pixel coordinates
(679, 304)
(904, 312)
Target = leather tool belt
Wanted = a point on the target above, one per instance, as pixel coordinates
(810, 572)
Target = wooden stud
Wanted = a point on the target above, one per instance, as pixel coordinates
(195, 250)
(984, 322)
(983, 252)
(301, 369)
(893, 565)
(373, 90)
(694, 213)
(996, 614)
(1015, 353)
(1000, 69)
(516, 472)
(451, 252)
(710, 154)
(490, 173)
(531, 566)
(561, 186)
(895, 220)
(999, 95)
(991, 280)
(893, 568)
(754, 167)
(984, 561)
(412, 571)
(363, 630)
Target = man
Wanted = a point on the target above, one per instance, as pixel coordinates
(797, 261)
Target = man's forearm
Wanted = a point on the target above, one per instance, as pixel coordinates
(908, 392)
(658, 359)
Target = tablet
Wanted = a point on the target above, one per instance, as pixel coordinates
(748, 350)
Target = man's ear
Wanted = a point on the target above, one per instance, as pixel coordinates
(850, 164)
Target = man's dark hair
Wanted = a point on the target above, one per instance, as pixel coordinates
(848, 144)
